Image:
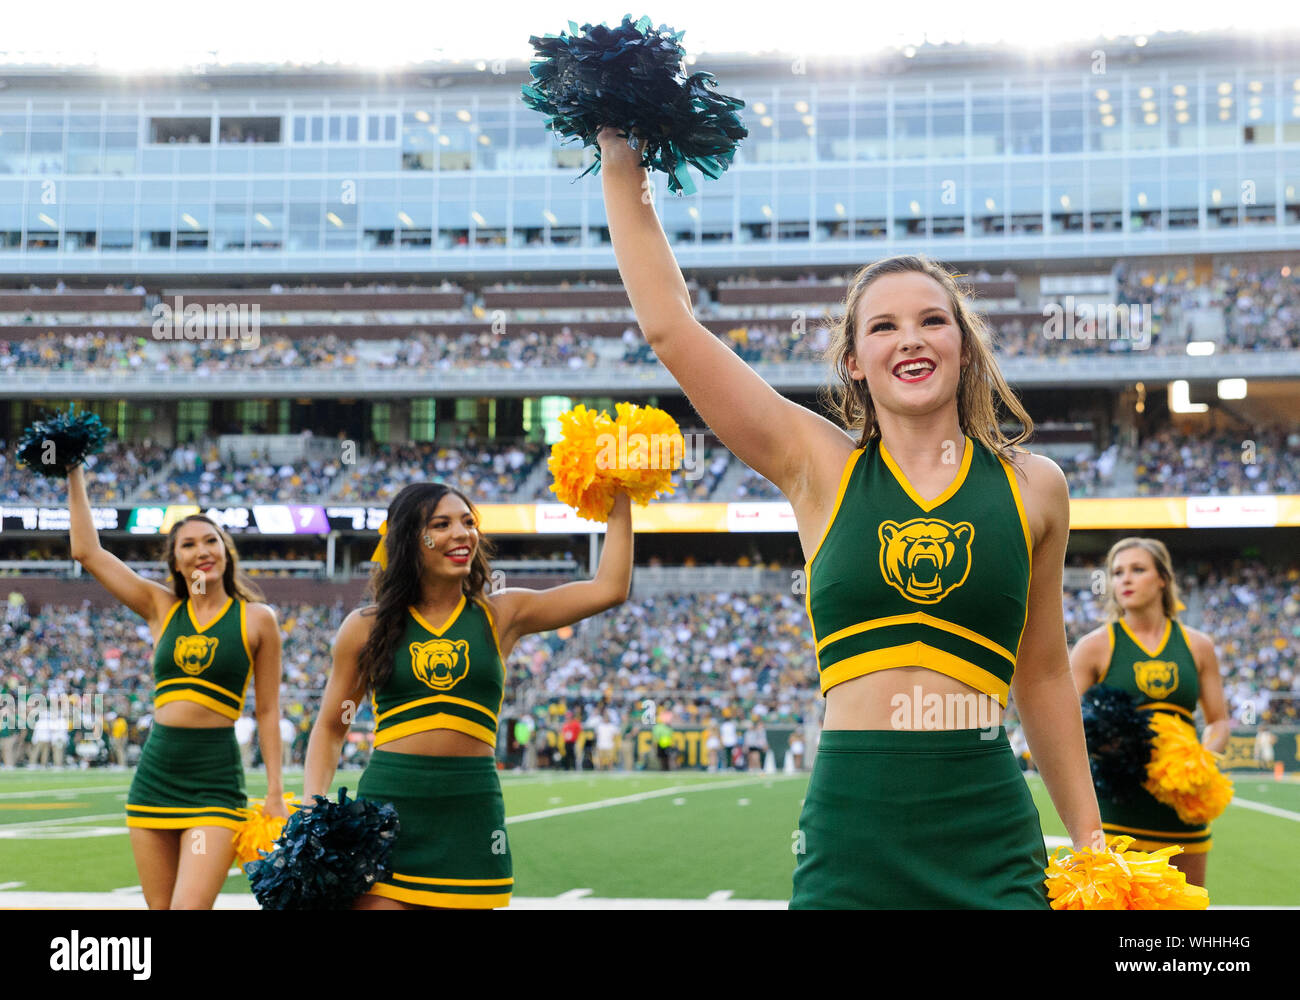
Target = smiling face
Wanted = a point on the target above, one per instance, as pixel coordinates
(907, 345)
(199, 553)
(453, 533)
(1135, 579)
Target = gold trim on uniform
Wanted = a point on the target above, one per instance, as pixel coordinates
(439, 721)
(1110, 634)
(150, 823)
(916, 654)
(946, 495)
(422, 880)
(445, 625)
(452, 900)
(181, 809)
(168, 620)
(435, 698)
(496, 639)
(221, 708)
(849, 464)
(189, 608)
(1164, 640)
(1029, 543)
(1166, 706)
(918, 618)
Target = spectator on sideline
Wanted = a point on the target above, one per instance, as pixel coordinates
(606, 731)
(729, 738)
(570, 731)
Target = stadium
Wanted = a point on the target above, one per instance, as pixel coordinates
(290, 292)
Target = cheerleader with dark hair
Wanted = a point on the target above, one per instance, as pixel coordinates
(211, 637)
(431, 653)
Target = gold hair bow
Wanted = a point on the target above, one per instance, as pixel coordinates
(380, 555)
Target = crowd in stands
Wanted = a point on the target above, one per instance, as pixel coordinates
(1265, 461)
(1253, 615)
(1260, 306)
(485, 475)
(1166, 463)
(706, 657)
(112, 476)
(1259, 309)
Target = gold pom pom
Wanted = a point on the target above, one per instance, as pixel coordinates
(597, 458)
(1120, 879)
(1183, 774)
(260, 831)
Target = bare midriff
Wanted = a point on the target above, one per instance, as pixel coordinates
(189, 715)
(439, 743)
(899, 699)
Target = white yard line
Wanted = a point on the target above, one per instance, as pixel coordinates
(63, 821)
(641, 797)
(33, 793)
(1262, 807)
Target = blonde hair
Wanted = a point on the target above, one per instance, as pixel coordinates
(1164, 566)
(980, 389)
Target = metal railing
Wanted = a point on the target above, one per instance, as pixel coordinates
(1045, 372)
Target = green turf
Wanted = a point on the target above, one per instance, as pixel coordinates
(709, 833)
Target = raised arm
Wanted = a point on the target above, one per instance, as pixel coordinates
(520, 611)
(148, 599)
(774, 436)
(338, 707)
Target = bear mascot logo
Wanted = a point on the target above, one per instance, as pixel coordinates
(194, 653)
(925, 558)
(440, 663)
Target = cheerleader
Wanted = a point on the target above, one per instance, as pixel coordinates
(210, 637)
(920, 525)
(1167, 667)
(431, 652)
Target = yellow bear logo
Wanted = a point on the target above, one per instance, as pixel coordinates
(194, 653)
(925, 558)
(1156, 679)
(440, 663)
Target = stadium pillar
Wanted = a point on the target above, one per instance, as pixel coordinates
(329, 553)
(593, 554)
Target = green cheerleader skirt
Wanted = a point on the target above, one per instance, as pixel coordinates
(451, 850)
(1151, 824)
(187, 778)
(902, 820)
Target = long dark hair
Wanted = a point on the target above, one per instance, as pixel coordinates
(234, 579)
(397, 588)
(979, 391)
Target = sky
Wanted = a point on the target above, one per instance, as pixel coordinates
(130, 35)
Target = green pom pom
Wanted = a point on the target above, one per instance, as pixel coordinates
(1118, 739)
(57, 445)
(326, 856)
(630, 77)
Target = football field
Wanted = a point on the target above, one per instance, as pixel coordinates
(646, 839)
